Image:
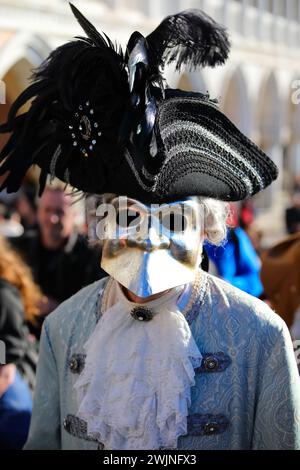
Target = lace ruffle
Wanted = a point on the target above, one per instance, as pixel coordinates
(135, 390)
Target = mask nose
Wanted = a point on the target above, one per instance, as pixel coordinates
(150, 241)
(155, 241)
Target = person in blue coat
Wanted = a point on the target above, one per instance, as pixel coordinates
(15, 413)
(237, 262)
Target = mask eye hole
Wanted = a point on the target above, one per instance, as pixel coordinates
(128, 218)
(174, 222)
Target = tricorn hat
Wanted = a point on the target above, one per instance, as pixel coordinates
(105, 121)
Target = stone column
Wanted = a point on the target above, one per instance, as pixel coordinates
(224, 18)
(294, 157)
(275, 152)
(261, 8)
(244, 29)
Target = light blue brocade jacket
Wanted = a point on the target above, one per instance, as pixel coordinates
(247, 391)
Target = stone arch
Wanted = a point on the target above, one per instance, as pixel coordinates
(269, 113)
(15, 81)
(270, 118)
(236, 102)
(22, 46)
(18, 56)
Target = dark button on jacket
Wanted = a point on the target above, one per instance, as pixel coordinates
(214, 362)
(210, 363)
(78, 428)
(142, 313)
(211, 427)
(77, 363)
(206, 424)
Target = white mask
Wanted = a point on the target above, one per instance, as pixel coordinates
(150, 248)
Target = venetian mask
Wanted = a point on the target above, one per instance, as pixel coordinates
(150, 248)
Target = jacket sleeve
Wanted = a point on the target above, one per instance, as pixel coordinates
(277, 416)
(44, 430)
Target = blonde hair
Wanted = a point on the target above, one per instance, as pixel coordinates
(14, 270)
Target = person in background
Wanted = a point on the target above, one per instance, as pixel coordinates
(292, 214)
(10, 225)
(280, 275)
(246, 214)
(19, 299)
(296, 183)
(60, 258)
(236, 260)
(26, 207)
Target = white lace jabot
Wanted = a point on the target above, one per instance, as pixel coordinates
(134, 391)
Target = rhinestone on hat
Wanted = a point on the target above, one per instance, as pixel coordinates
(84, 130)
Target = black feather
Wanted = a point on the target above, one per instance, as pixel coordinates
(88, 28)
(14, 124)
(92, 33)
(8, 147)
(25, 96)
(74, 74)
(190, 38)
(42, 181)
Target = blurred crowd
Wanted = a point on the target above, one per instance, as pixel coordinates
(45, 258)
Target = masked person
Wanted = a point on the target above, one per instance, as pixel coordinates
(159, 354)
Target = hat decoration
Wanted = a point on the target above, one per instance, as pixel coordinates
(99, 119)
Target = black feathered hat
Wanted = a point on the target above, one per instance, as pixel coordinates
(105, 121)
